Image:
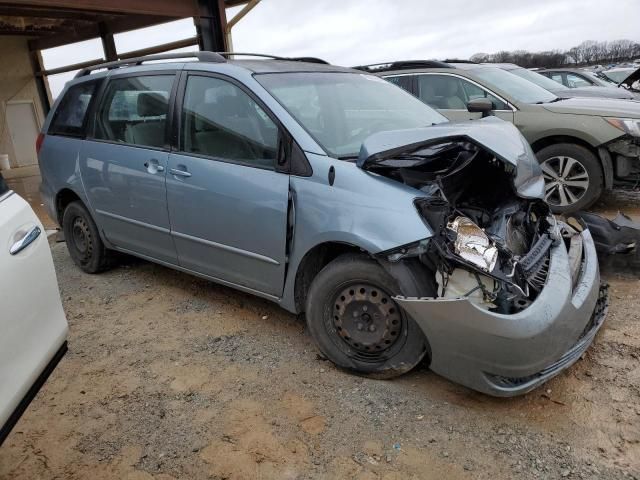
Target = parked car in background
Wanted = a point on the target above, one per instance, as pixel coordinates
(33, 326)
(622, 76)
(579, 79)
(563, 91)
(334, 193)
(585, 145)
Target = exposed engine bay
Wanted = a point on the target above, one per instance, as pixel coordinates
(489, 244)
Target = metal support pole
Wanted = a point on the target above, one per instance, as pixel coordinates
(210, 25)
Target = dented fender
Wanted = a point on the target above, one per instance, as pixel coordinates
(361, 209)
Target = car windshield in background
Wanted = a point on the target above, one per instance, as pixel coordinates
(340, 110)
(618, 75)
(518, 88)
(603, 79)
(538, 79)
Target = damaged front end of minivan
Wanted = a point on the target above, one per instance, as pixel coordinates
(518, 295)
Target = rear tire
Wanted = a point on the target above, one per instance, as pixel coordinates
(83, 239)
(356, 324)
(573, 176)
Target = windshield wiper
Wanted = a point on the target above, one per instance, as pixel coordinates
(557, 99)
(348, 157)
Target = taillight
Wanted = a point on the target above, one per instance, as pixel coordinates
(39, 141)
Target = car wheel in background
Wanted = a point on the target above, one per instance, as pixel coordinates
(356, 323)
(573, 177)
(83, 240)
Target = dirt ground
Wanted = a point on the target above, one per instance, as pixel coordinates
(169, 376)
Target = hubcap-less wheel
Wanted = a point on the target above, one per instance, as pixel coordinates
(566, 180)
(82, 237)
(368, 321)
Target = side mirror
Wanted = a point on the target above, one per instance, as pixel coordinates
(482, 105)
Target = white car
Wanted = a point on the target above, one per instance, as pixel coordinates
(33, 326)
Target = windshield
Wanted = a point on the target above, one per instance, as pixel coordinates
(340, 110)
(518, 88)
(618, 75)
(538, 79)
(601, 79)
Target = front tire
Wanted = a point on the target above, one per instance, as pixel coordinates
(355, 322)
(573, 177)
(83, 239)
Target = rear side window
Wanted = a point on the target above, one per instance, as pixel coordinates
(70, 116)
(404, 81)
(134, 110)
(4, 188)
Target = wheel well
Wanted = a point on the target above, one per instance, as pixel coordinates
(545, 142)
(607, 168)
(64, 198)
(315, 260)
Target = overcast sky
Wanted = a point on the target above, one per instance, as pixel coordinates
(355, 32)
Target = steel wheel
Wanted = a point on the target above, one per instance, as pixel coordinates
(81, 237)
(566, 180)
(367, 321)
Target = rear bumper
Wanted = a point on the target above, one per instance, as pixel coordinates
(507, 355)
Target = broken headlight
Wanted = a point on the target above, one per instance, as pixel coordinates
(627, 125)
(472, 244)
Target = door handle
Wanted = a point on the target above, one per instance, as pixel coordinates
(26, 240)
(153, 166)
(179, 173)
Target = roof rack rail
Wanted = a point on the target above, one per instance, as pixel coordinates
(457, 60)
(274, 57)
(403, 65)
(201, 56)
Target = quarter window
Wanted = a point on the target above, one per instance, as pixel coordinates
(69, 118)
(220, 120)
(134, 110)
(405, 82)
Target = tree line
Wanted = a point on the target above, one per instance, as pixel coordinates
(588, 52)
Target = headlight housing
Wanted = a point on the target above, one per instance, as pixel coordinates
(627, 125)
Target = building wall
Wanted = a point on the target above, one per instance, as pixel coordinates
(16, 83)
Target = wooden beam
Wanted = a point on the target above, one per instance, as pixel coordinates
(168, 8)
(70, 68)
(118, 25)
(165, 47)
(41, 82)
(108, 43)
(11, 10)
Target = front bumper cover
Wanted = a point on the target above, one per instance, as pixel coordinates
(507, 355)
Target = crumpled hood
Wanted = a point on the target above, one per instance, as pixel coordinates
(601, 107)
(500, 138)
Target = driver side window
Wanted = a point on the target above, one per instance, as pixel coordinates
(473, 91)
(575, 81)
(219, 120)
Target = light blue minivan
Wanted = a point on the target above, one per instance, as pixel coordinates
(334, 193)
